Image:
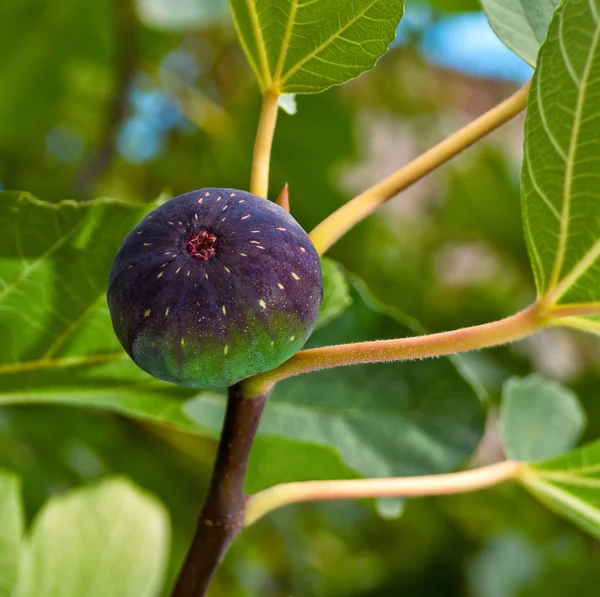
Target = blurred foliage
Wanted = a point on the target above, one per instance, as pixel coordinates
(109, 539)
(570, 485)
(449, 252)
(539, 419)
(522, 26)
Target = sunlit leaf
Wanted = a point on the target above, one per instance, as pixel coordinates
(521, 24)
(306, 47)
(11, 537)
(561, 170)
(539, 418)
(570, 485)
(54, 264)
(110, 539)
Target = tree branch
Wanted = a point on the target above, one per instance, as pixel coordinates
(311, 491)
(125, 61)
(339, 222)
(264, 142)
(504, 331)
(222, 515)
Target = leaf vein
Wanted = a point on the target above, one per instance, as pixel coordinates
(286, 40)
(322, 46)
(565, 497)
(565, 55)
(260, 42)
(542, 112)
(539, 191)
(73, 327)
(567, 188)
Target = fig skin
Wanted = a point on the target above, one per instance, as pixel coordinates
(215, 286)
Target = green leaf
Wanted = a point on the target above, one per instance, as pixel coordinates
(539, 418)
(54, 265)
(562, 162)
(570, 485)
(11, 537)
(521, 24)
(336, 292)
(57, 339)
(306, 47)
(379, 420)
(110, 539)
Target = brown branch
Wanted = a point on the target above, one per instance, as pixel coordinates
(125, 62)
(222, 516)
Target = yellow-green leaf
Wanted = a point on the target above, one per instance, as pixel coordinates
(110, 539)
(561, 169)
(306, 46)
(11, 537)
(570, 485)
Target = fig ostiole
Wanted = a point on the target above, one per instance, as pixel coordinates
(215, 286)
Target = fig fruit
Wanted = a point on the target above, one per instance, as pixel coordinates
(214, 286)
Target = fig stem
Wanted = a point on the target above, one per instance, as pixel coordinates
(223, 513)
(264, 142)
(285, 494)
(506, 330)
(346, 217)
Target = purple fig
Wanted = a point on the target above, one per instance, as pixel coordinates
(215, 286)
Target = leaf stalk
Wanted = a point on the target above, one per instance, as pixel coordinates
(264, 142)
(332, 228)
(309, 491)
(506, 330)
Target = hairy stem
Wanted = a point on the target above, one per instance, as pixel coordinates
(264, 141)
(222, 515)
(504, 331)
(311, 491)
(339, 222)
(126, 56)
